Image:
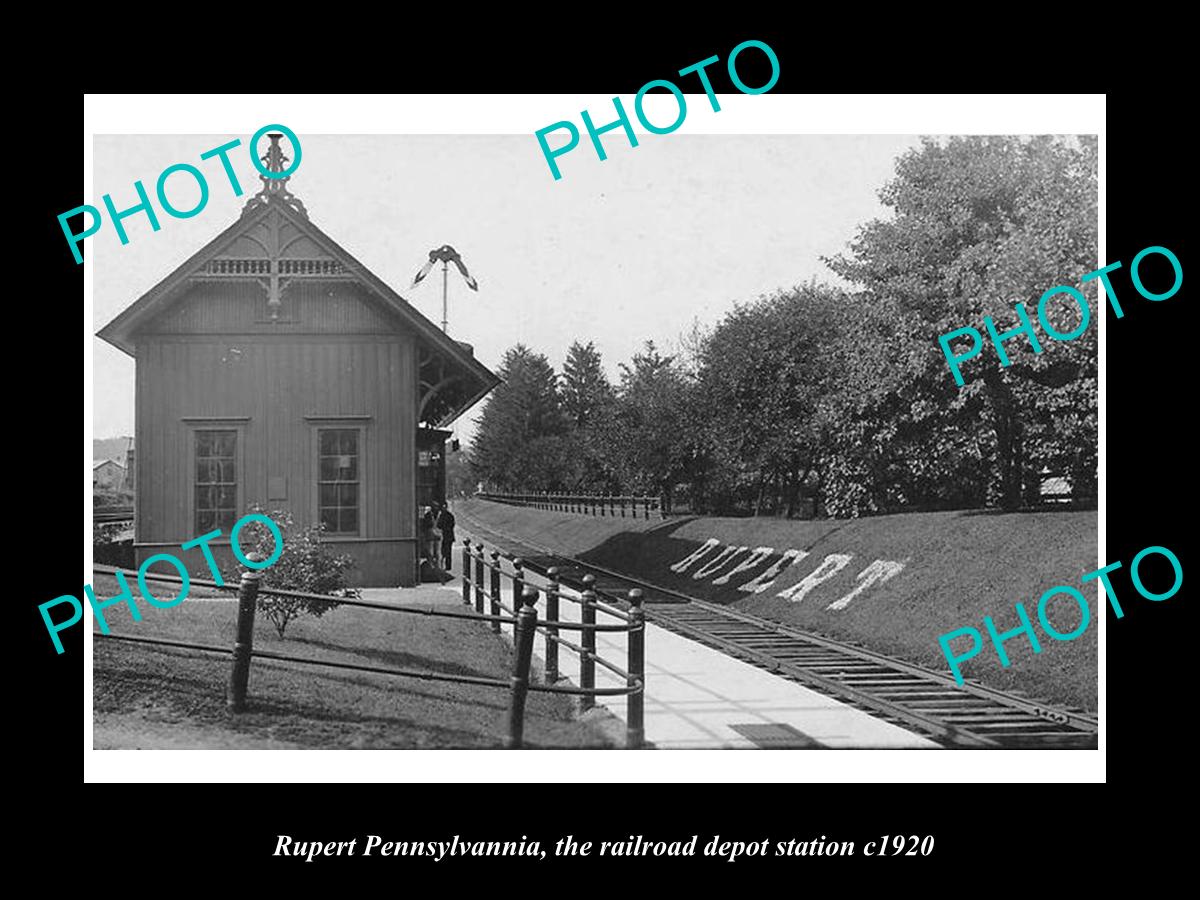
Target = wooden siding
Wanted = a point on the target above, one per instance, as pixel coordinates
(240, 307)
(271, 383)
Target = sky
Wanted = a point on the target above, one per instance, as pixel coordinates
(618, 252)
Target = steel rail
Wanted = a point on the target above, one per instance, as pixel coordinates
(972, 715)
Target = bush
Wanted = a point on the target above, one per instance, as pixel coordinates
(109, 548)
(305, 565)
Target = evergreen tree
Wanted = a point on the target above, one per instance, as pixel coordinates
(520, 416)
(646, 442)
(585, 388)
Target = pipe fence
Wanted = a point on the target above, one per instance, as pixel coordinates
(486, 584)
(521, 615)
(587, 504)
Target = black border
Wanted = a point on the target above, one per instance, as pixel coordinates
(1147, 475)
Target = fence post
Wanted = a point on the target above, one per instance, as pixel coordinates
(587, 664)
(552, 630)
(635, 709)
(662, 506)
(526, 628)
(466, 571)
(646, 505)
(243, 648)
(495, 591)
(603, 503)
(592, 498)
(479, 577)
(518, 585)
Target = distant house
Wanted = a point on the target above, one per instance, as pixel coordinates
(274, 369)
(1054, 488)
(108, 475)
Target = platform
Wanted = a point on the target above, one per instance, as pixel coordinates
(700, 698)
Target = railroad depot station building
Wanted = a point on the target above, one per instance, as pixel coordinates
(273, 368)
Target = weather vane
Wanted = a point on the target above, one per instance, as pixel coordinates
(445, 254)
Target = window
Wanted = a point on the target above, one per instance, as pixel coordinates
(216, 480)
(338, 479)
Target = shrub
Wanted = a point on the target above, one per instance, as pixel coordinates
(305, 565)
(109, 548)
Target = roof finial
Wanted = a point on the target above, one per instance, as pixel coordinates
(275, 189)
(274, 158)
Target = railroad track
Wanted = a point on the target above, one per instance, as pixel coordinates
(908, 695)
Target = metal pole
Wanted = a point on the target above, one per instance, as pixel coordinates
(479, 578)
(243, 647)
(552, 630)
(445, 288)
(518, 585)
(635, 727)
(526, 628)
(587, 664)
(466, 571)
(495, 591)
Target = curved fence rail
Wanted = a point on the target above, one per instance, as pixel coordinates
(521, 615)
(482, 580)
(614, 505)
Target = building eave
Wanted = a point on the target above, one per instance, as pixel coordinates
(120, 330)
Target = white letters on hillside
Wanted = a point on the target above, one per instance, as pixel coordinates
(830, 566)
(684, 564)
(876, 573)
(721, 559)
(757, 557)
(767, 578)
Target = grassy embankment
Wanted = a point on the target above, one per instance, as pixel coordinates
(152, 697)
(958, 568)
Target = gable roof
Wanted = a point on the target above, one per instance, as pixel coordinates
(121, 331)
(106, 462)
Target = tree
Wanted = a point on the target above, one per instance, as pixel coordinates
(305, 565)
(459, 478)
(762, 374)
(523, 409)
(646, 440)
(585, 392)
(980, 224)
(587, 402)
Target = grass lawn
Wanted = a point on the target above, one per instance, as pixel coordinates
(958, 568)
(156, 697)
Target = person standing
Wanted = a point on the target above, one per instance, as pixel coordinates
(445, 522)
(425, 535)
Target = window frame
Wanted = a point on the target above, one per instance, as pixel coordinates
(333, 424)
(237, 426)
